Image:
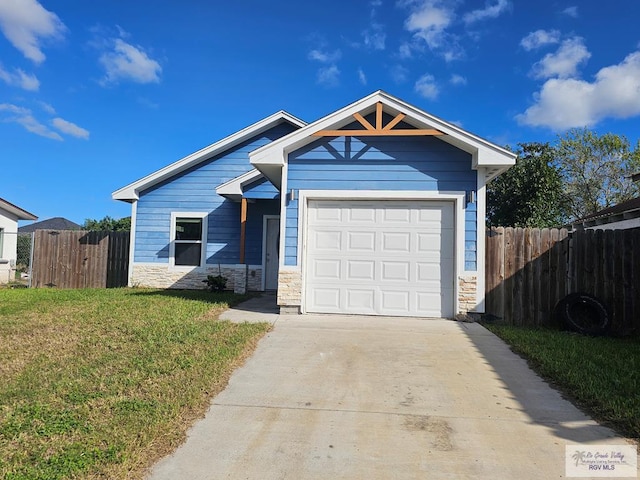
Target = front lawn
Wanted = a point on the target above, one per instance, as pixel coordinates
(100, 383)
(601, 374)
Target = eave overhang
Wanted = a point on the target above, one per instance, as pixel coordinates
(234, 188)
(16, 211)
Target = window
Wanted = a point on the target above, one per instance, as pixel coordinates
(188, 239)
(1, 241)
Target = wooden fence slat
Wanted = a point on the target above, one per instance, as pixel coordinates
(635, 326)
(527, 277)
(518, 277)
(509, 271)
(543, 278)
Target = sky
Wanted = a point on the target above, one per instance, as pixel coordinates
(97, 94)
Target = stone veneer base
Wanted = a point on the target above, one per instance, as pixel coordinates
(159, 276)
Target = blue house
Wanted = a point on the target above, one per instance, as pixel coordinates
(377, 208)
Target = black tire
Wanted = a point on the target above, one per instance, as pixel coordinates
(583, 313)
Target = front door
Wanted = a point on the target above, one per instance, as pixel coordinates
(271, 254)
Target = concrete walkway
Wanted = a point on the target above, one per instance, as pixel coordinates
(349, 397)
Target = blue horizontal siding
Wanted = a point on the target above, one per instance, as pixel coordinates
(194, 191)
(381, 163)
(261, 189)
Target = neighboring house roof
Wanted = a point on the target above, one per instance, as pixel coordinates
(628, 210)
(270, 158)
(131, 192)
(56, 223)
(17, 211)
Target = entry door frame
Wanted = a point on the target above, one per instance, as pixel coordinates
(273, 263)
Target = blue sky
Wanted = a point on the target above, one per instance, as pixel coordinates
(96, 94)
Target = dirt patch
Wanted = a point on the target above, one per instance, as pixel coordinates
(438, 427)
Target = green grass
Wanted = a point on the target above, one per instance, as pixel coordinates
(601, 374)
(100, 383)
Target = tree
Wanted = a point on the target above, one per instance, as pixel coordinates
(529, 194)
(108, 224)
(595, 170)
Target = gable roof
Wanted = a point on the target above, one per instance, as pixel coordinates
(270, 158)
(131, 192)
(55, 223)
(15, 210)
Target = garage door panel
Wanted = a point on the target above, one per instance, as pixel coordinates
(427, 271)
(429, 304)
(326, 298)
(360, 300)
(361, 241)
(400, 214)
(364, 214)
(396, 242)
(327, 240)
(360, 270)
(326, 269)
(390, 257)
(395, 271)
(329, 213)
(395, 301)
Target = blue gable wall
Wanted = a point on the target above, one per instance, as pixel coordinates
(380, 163)
(194, 191)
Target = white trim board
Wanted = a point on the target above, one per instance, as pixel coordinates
(458, 198)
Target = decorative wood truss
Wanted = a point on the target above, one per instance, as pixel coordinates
(379, 129)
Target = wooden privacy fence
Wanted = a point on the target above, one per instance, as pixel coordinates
(80, 259)
(529, 270)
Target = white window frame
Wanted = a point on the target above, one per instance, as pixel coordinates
(1, 241)
(203, 240)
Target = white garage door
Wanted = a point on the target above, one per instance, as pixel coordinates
(380, 258)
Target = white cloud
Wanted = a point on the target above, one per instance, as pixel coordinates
(399, 74)
(70, 128)
(26, 24)
(490, 11)
(127, 62)
(540, 38)
(329, 76)
(47, 108)
(8, 107)
(374, 37)
(564, 62)
(405, 51)
(571, 11)
(564, 103)
(427, 87)
(458, 80)
(18, 78)
(362, 77)
(324, 56)
(429, 20)
(23, 116)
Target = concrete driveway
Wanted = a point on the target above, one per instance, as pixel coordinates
(327, 396)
